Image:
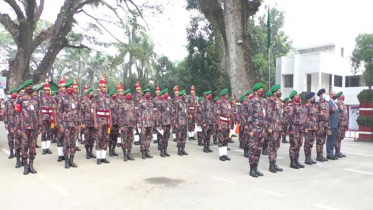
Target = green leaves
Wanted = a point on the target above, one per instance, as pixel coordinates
(363, 53)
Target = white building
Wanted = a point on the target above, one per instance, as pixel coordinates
(313, 68)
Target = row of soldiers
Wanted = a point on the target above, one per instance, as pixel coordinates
(118, 118)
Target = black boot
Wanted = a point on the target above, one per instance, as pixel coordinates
(77, 149)
(147, 154)
(297, 162)
(284, 140)
(215, 141)
(162, 153)
(60, 158)
(230, 140)
(193, 138)
(308, 160)
(319, 157)
(252, 171)
(72, 164)
(183, 150)
(312, 161)
(200, 142)
(264, 150)
(104, 160)
(110, 151)
(276, 166)
(119, 144)
(179, 152)
(246, 153)
(241, 145)
(165, 152)
(143, 155)
(256, 170)
(226, 157)
(129, 155)
(18, 162)
(87, 155)
(67, 162)
(98, 161)
(90, 152)
(155, 141)
(208, 147)
(26, 168)
(125, 157)
(272, 167)
(293, 164)
(44, 152)
(222, 158)
(113, 149)
(37, 146)
(205, 147)
(49, 151)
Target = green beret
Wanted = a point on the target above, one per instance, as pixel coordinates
(339, 94)
(127, 91)
(146, 91)
(112, 91)
(69, 83)
(182, 92)
(89, 90)
(269, 93)
(164, 91)
(207, 93)
(230, 99)
(242, 98)
(200, 99)
(216, 98)
(249, 92)
(53, 93)
(27, 83)
(224, 91)
(258, 86)
(12, 91)
(19, 88)
(293, 93)
(286, 99)
(275, 88)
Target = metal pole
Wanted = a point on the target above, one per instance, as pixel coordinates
(269, 68)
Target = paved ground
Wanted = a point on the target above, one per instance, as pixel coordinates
(197, 181)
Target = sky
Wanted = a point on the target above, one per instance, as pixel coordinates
(307, 22)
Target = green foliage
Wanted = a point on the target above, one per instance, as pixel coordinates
(363, 55)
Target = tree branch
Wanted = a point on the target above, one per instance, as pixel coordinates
(43, 36)
(16, 8)
(39, 11)
(10, 26)
(81, 46)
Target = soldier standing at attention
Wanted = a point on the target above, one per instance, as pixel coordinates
(225, 115)
(181, 123)
(165, 113)
(81, 133)
(323, 125)
(199, 119)
(18, 134)
(68, 106)
(30, 123)
(114, 129)
(156, 111)
(343, 124)
(256, 128)
(138, 99)
(57, 115)
(296, 116)
(128, 125)
(208, 118)
(120, 99)
(311, 114)
(146, 120)
(78, 121)
(47, 119)
(243, 134)
(286, 122)
(103, 120)
(174, 101)
(88, 117)
(192, 108)
(267, 135)
(9, 120)
(216, 127)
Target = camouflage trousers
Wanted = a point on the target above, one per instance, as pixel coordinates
(90, 135)
(274, 144)
(11, 136)
(215, 132)
(78, 128)
(114, 134)
(321, 138)
(191, 123)
(127, 138)
(223, 137)
(81, 133)
(28, 144)
(181, 135)
(309, 141)
(256, 144)
(199, 136)
(245, 137)
(18, 143)
(296, 143)
(240, 135)
(340, 136)
(146, 137)
(163, 140)
(60, 137)
(69, 141)
(285, 130)
(207, 132)
(46, 131)
(101, 140)
(54, 133)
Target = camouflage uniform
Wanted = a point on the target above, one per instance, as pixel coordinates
(9, 119)
(267, 136)
(311, 122)
(199, 121)
(60, 135)
(115, 127)
(343, 126)
(146, 121)
(244, 126)
(224, 112)
(181, 120)
(275, 122)
(158, 101)
(216, 122)
(296, 129)
(90, 133)
(128, 121)
(103, 107)
(174, 129)
(192, 108)
(286, 122)
(165, 121)
(208, 117)
(257, 125)
(47, 120)
(323, 125)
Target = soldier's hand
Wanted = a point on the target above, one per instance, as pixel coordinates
(176, 126)
(191, 116)
(269, 130)
(204, 125)
(39, 132)
(306, 130)
(329, 132)
(83, 126)
(6, 126)
(251, 134)
(219, 128)
(19, 132)
(122, 128)
(95, 126)
(62, 129)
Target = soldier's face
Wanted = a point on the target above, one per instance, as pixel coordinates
(47, 92)
(62, 89)
(192, 93)
(90, 95)
(103, 89)
(76, 90)
(121, 92)
(226, 96)
(22, 91)
(138, 91)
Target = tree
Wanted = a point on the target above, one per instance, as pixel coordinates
(230, 19)
(363, 55)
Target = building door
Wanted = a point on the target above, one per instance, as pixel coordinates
(309, 81)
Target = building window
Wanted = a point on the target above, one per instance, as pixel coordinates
(288, 81)
(337, 81)
(354, 81)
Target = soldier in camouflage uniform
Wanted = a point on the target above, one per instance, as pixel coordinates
(267, 136)
(47, 119)
(208, 118)
(343, 124)
(115, 117)
(78, 121)
(138, 98)
(146, 120)
(323, 125)
(157, 101)
(128, 125)
(295, 112)
(120, 99)
(29, 124)
(88, 117)
(57, 115)
(68, 107)
(242, 136)
(216, 127)
(199, 119)
(257, 125)
(233, 102)
(286, 121)
(81, 136)
(225, 115)
(165, 119)
(181, 123)
(311, 114)
(192, 108)
(174, 101)
(275, 125)
(9, 120)
(103, 120)
(17, 130)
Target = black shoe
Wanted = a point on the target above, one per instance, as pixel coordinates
(245, 153)
(272, 167)
(208, 148)
(215, 142)
(136, 143)
(162, 153)
(147, 154)
(205, 148)
(44, 152)
(222, 158)
(226, 157)
(193, 138)
(175, 140)
(37, 146)
(87, 155)
(332, 158)
(119, 145)
(285, 141)
(110, 152)
(98, 161)
(104, 160)
(125, 157)
(143, 155)
(200, 142)
(230, 141)
(179, 151)
(90, 153)
(165, 152)
(53, 141)
(114, 153)
(298, 163)
(190, 138)
(319, 157)
(129, 156)
(11, 155)
(61, 158)
(72, 164)
(252, 171)
(183, 150)
(293, 165)
(228, 148)
(308, 160)
(155, 141)
(77, 149)
(49, 151)
(18, 162)
(67, 163)
(234, 135)
(276, 166)
(312, 161)
(26, 168)
(342, 155)
(256, 170)
(324, 158)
